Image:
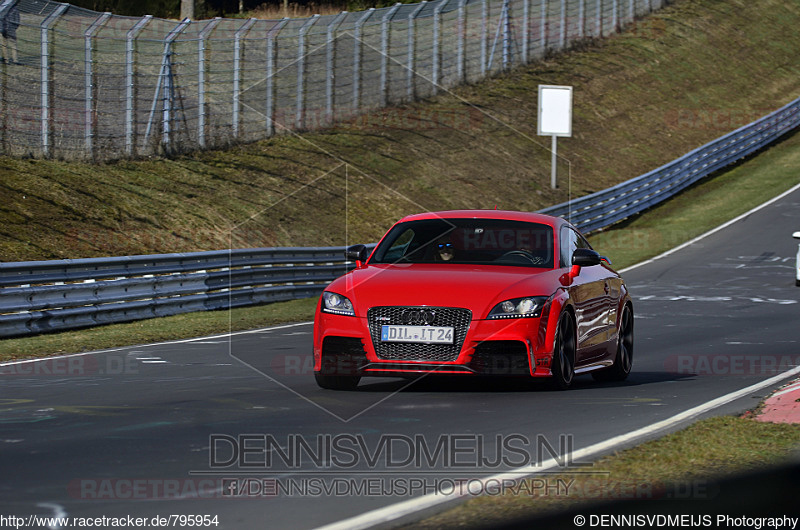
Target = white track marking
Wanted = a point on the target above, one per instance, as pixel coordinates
(411, 506)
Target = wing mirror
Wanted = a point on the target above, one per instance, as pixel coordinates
(796, 235)
(357, 253)
(584, 257)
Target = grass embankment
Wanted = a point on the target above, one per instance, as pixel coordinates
(672, 82)
(682, 463)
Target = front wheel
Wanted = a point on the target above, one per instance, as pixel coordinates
(624, 359)
(563, 365)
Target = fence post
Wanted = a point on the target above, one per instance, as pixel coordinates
(201, 80)
(506, 14)
(615, 15)
(4, 7)
(543, 26)
(237, 71)
(129, 81)
(299, 121)
(45, 95)
(88, 131)
(525, 29)
(165, 83)
(270, 103)
(411, 41)
(357, 58)
(330, 49)
(385, 53)
(484, 35)
(462, 31)
(599, 4)
(436, 44)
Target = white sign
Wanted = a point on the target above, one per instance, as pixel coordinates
(555, 110)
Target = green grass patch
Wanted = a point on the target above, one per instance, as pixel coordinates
(707, 450)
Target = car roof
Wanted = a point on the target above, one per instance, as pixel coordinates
(487, 214)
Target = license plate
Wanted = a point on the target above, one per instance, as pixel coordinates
(427, 334)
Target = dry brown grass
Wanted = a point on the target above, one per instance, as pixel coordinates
(294, 10)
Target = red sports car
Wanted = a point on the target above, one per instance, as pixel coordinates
(475, 293)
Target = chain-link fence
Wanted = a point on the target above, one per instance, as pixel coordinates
(77, 84)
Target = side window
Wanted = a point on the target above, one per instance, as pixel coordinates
(581, 242)
(568, 244)
(399, 246)
(571, 240)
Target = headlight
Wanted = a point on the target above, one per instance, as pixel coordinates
(337, 304)
(527, 307)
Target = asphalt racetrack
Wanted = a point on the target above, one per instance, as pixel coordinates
(236, 428)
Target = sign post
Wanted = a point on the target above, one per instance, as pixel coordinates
(555, 119)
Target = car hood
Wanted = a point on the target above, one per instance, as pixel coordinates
(478, 288)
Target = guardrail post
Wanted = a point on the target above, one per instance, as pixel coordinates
(270, 81)
(385, 53)
(89, 122)
(436, 44)
(45, 78)
(299, 121)
(237, 73)
(357, 58)
(201, 80)
(411, 49)
(130, 91)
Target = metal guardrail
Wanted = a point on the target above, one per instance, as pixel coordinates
(40, 296)
(604, 208)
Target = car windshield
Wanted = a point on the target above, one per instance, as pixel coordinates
(468, 241)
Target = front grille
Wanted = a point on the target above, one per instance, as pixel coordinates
(501, 357)
(457, 318)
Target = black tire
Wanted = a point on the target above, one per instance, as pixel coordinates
(337, 382)
(623, 362)
(563, 365)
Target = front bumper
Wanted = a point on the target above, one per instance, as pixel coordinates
(343, 345)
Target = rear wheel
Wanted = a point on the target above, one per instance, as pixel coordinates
(337, 382)
(563, 365)
(624, 359)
